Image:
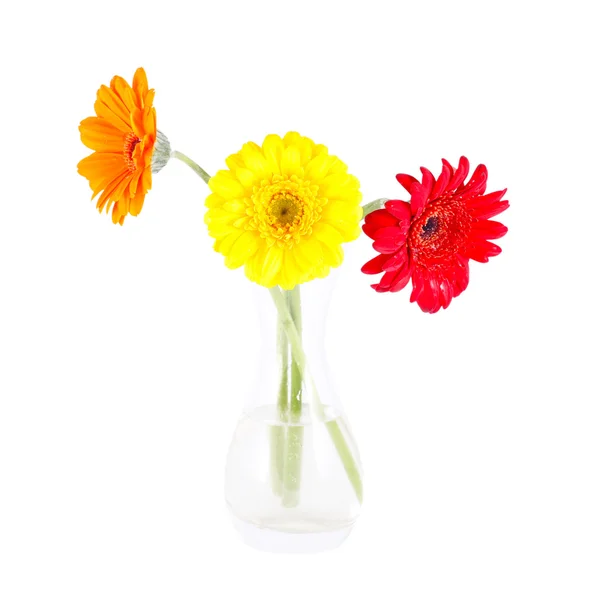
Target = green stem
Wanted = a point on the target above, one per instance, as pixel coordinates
(190, 163)
(346, 456)
(335, 432)
(372, 206)
(278, 434)
(296, 313)
(295, 431)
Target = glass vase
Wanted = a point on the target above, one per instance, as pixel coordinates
(293, 479)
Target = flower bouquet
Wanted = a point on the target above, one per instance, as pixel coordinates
(282, 210)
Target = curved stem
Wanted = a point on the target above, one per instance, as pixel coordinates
(372, 206)
(190, 163)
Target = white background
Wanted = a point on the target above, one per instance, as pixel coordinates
(125, 353)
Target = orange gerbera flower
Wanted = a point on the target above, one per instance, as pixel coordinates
(123, 136)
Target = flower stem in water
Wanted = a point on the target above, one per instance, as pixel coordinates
(295, 431)
(278, 433)
(335, 432)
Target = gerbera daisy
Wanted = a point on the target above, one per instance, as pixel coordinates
(124, 138)
(283, 210)
(432, 238)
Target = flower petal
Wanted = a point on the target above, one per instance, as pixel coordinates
(482, 251)
(442, 181)
(488, 230)
(375, 265)
(389, 239)
(406, 181)
(460, 174)
(273, 150)
(398, 209)
(476, 184)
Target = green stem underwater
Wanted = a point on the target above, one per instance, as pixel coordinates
(190, 163)
(295, 431)
(286, 320)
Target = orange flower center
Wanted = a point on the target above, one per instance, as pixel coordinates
(440, 232)
(131, 141)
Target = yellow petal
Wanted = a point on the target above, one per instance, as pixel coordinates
(291, 138)
(290, 161)
(333, 255)
(234, 162)
(245, 246)
(271, 265)
(225, 244)
(214, 200)
(327, 234)
(255, 160)
(318, 167)
(273, 150)
(245, 177)
(226, 185)
(308, 253)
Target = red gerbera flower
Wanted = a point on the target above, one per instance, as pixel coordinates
(432, 238)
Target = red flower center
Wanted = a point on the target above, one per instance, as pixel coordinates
(131, 141)
(440, 232)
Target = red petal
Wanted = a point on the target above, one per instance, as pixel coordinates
(446, 292)
(401, 279)
(420, 193)
(389, 239)
(384, 284)
(442, 181)
(371, 230)
(490, 198)
(490, 211)
(399, 209)
(482, 251)
(445, 163)
(375, 265)
(488, 230)
(376, 220)
(460, 174)
(477, 182)
(459, 275)
(396, 261)
(426, 292)
(381, 218)
(406, 181)
(484, 207)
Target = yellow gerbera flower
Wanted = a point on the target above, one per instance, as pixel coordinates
(283, 210)
(123, 136)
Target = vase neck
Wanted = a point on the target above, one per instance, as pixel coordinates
(292, 361)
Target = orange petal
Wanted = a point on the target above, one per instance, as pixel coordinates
(123, 90)
(111, 100)
(137, 202)
(107, 197)
(98, 134)
(140, 86)
(104, 112)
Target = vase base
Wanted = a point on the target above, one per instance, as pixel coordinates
(272, 540)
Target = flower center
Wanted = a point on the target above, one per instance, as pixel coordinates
(131, 141)
(430, 228)
(283, 209)
(440, 232)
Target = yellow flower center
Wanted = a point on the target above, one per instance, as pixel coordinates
(284, 209)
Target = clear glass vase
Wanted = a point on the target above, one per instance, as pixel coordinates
(293, 478)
